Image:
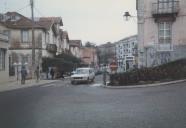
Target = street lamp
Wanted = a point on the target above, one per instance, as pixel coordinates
(127, 15)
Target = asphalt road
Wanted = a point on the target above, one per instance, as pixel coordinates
(61, 105)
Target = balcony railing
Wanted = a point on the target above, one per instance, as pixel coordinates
(165, 8)
(51, 48)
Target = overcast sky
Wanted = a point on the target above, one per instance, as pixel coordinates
(97, 21)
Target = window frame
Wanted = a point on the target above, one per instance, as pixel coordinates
(24, 36)
(163, 37)
(2, 59)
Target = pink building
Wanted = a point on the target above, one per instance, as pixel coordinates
(89, 56)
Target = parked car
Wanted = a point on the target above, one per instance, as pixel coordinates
(83, 75)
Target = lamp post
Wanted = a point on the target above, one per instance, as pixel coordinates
(33, 39)
(104, 67)
(104, 74)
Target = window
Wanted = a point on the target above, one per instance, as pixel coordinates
(24, 36)
(165, 32)
(7, 32)
(2, 59)
(47, 37)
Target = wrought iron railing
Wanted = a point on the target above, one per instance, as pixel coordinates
(168, 7)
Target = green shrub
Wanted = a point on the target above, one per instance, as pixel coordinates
(170, 71)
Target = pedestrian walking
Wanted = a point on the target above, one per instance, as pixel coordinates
(47, 73)
(23, 74)
(52, 73)
(62, 74)
(37, 74)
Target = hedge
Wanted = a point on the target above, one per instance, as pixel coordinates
(170, 71)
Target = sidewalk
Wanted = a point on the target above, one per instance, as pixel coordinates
(11, 85)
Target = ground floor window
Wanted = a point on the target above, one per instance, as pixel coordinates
(2, 59)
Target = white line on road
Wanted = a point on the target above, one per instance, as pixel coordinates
(48, 85)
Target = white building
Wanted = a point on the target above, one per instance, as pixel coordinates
(125, 53)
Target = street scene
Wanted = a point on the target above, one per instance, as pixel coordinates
(92, 64)
(61, 104)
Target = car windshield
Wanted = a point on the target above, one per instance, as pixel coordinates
(82, 71)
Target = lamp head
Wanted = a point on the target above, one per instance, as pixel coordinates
(127, 15)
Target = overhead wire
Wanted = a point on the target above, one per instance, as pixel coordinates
(22, 8)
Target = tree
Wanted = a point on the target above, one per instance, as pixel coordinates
(63, 62)
(89, 44)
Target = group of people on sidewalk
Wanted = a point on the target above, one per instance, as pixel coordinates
(24, 74)
(51, 72)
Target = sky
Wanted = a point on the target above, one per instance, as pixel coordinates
(96, 21)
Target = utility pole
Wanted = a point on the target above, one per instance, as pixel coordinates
(33, 38)
(104, 67)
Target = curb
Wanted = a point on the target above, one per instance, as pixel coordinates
(29, 86)
(145, 85)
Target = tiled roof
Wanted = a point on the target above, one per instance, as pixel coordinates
(107, 45)
(75, 43)
(24, 22)
(20, 22)
(48, 21)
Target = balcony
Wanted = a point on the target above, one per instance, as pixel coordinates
(51, 48)
(168, 9)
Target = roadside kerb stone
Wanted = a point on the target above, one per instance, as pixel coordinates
(145, 85)
(14, 85)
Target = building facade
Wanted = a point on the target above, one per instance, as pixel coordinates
(106, 53)
(65, 42)
(125, 53)
(89, 56)
(75, 48)
(161, 34)
(4, 61)
(19, 30)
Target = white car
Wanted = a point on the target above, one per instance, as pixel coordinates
(83, 75)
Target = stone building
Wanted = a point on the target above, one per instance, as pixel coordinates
(161, 31)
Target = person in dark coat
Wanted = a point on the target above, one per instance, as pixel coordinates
(37, 74)
(52, 73)
(23, 74)
(62, 74)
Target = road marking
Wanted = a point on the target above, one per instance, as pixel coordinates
(48, 85)
(96, 85)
